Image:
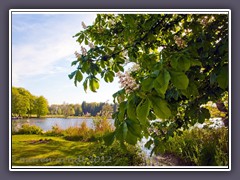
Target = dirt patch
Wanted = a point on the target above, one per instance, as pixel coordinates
(40, 141)
(169, 160)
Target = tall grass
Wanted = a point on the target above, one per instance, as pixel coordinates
(201, 147)
(82, 132)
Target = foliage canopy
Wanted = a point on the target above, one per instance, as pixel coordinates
(181, 60)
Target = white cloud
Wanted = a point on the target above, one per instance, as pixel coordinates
(45, 44)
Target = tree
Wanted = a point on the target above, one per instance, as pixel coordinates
(106, 111)
(41, 106)
(78, 110)
(180, 62)
(20, 101)
(32, 108)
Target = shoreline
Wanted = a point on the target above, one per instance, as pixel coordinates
(70, 117)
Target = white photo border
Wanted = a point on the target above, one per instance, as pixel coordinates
(116, 168)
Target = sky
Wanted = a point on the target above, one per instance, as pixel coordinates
(42, 51)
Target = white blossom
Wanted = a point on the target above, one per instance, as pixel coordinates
(179, 41)
(84, 25)
(204, 21)
(77, 54)
(127, 82)
(84, 51)
(91, 45)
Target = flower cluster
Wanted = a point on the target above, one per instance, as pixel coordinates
(77, 54)
(91, 45)
(206, 19)
(135, 67)
(84, 51)
(84, 25)
(127, 82)
(186, 32)
(179, 41)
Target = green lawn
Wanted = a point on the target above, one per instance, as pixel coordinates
(40, 150)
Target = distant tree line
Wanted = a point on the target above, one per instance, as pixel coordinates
(26, 104)
(83, 109)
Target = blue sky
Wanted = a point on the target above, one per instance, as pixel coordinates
(42, 51)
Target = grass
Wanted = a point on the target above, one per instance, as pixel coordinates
(42, 150)
(201, 147)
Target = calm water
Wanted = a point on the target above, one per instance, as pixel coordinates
(47, 123)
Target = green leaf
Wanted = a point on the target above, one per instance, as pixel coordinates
(179, 79)
(93, 84)
(213, 78)
(191, 91)
(122, 108)
(162, 81)
(109, 138)
(184, 64)
(78, 77)
(119, 133)
(85, 85)
(160, 107)
(86, 41)
(131, 138)
(121, 68)
(134, 127)
(147, 84)
(85, 66)
(72, 74)
(131, 110)
(181, 63)
(80, 38)
(143, 110)
(74, 63)
(109, 76)
(77, 34)
(222, 77)
(125, 130)
(151, 116)
(203, 114)
(148, 144)
(196, 63)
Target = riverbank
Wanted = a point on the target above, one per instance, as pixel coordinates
(55, 116)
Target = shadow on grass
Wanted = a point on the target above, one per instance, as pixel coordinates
(55, 151)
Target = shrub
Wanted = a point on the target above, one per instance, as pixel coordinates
(102, 126)
(202, 147)
(29, 129)
(114, 155)
(76, 133)
(55, 131)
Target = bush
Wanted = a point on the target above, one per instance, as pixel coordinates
(202, 147)
(114, 155)
(55, 131)
(29, 129)
(76, 133)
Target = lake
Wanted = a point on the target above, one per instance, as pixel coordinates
(47, 123)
